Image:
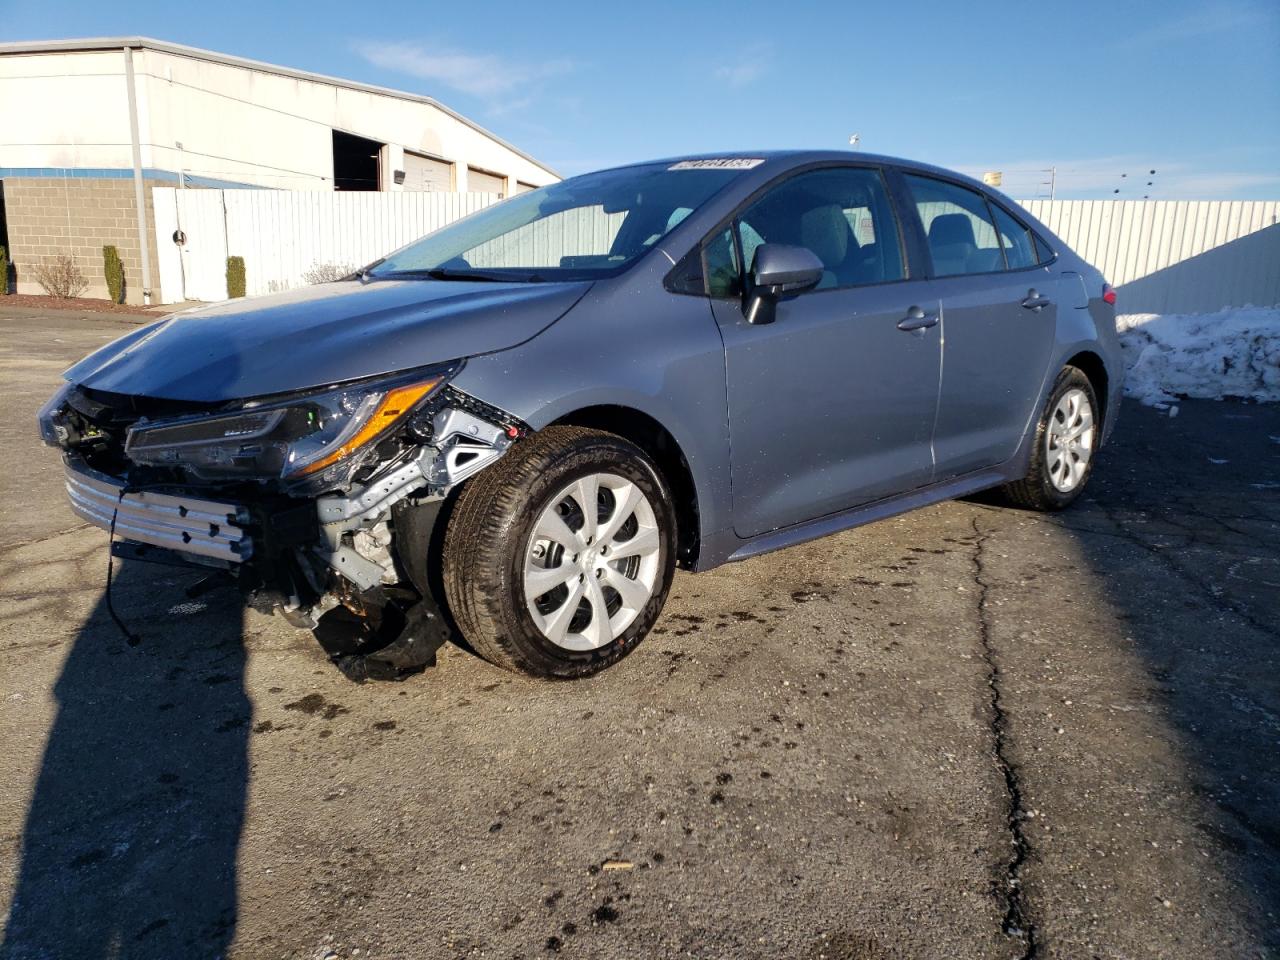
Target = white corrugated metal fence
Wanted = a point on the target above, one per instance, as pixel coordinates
(1163, 256)
(1175, 256)
(284, 234)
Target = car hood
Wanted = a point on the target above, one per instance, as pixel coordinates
(320, 335)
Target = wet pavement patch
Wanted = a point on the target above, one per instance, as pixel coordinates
(314, 704)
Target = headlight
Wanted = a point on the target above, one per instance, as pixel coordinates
(51, 431)
(296, 438)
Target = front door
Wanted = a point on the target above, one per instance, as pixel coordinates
(832, 404)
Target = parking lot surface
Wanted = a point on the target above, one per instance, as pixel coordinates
(967, 732)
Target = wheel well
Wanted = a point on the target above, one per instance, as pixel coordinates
(1092, 366)
(655, 440)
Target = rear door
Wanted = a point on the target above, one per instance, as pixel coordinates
(832, 404)
(999, 314)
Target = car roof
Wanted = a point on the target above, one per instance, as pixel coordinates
(778, 160)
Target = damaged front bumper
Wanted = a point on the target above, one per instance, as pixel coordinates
(350, 565)
(179, 522)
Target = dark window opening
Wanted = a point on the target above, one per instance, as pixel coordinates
(355, 162)
(4, 242)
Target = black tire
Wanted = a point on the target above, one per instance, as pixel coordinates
(1037, 491)
(488, 533)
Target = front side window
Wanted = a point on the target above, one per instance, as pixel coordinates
(582, 228)
(957, 223)
(842, 214)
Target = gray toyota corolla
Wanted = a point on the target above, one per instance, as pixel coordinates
(515, 428)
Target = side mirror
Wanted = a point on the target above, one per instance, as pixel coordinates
(778, 271)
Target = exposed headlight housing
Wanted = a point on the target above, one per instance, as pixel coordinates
(52, 432)
(320, 437)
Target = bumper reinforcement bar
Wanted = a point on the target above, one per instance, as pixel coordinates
(181, 523)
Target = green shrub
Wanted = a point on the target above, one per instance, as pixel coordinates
(4, 271)
(113, 270)
(235, 277)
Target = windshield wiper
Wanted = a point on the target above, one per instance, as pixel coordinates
(364, 272)
(475, 276)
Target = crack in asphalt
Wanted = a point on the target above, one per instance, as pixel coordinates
(1214, 597)
(1017, 923)
(1189, 536)
(18, 544)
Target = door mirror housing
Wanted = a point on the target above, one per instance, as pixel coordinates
(778, 271)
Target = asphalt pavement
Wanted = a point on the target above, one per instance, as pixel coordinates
(968, 732)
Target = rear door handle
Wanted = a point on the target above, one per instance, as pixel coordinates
(1035, 302)
(917, 319)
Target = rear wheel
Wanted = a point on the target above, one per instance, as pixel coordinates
(1063, 450)
(558, 559)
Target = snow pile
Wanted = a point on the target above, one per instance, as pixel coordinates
(1209, 356)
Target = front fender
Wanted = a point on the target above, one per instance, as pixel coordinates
(633, 345)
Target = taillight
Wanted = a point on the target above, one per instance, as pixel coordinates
(1108, 294)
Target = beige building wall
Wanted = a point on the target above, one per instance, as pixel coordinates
(76, 216)
(237, 122)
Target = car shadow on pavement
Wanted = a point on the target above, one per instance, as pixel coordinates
(130, 843)
(1182, 525)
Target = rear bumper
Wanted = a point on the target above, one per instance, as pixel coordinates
(177, 521)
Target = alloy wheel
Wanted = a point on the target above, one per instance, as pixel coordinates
(1069, 440)
(592, 561)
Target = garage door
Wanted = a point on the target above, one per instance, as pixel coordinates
(480, 182)
(427, 173)
(522, 187)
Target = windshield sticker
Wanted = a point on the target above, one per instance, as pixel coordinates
(718, 163)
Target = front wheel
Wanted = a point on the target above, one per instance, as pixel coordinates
(559, 557)
(1064, 446)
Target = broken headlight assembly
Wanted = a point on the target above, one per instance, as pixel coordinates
(52, 432)
(316, 438)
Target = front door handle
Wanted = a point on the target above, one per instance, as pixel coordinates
(917, 319)
(1035, 302)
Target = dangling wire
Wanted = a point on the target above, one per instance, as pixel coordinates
(130, 637)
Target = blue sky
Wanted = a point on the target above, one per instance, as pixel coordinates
(1096, 89)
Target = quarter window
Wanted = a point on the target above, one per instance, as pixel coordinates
(1016, 240)
(842, 214)
(720, 265)
(957, 222)
(1043, 253)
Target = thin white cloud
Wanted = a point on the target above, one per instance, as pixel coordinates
(483, 75)
(1202, 186)
(745, 67)
(1101, 177)
(1216, 18)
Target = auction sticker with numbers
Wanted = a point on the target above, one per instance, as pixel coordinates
(718, 163)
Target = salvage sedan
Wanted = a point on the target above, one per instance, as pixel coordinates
(517, 427)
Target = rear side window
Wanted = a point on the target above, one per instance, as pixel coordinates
(1019, 250)
(842, 214)
(957, 223)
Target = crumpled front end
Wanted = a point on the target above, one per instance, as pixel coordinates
(342, 549)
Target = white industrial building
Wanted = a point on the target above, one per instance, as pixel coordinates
(91, 125)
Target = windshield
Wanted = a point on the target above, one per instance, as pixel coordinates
(579, 229)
